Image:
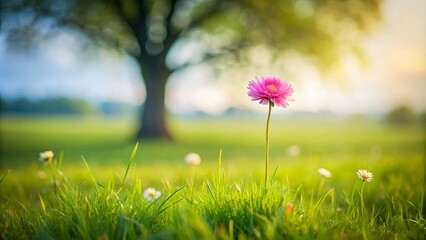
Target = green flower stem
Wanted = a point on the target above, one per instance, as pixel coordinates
(267, 143)
(53, 169)
(320, 186)
(362, 199)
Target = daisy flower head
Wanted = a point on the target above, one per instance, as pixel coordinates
(365, 175)
(293, 151)
(324, 172)
(270, 89)
(46, 156)
(193, 159)
(151, 194)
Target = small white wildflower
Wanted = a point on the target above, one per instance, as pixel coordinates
(193, 159)
(293, 151)
(151, 194)
(365, 175)
(324, 172)
(46, 156)
(41, 175)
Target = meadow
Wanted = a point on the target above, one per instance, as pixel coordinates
(95, 187)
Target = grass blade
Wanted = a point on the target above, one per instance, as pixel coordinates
(210, 188)
(91, 173)
(43, 206)
(130, 161)
(165, 208)
(60, 160)
(171, 195)
(275, 173)
(121, 229)
(321, 200)
(219, 165)
(22, 205)
(1, 180)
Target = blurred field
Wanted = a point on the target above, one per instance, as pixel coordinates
(340, 145)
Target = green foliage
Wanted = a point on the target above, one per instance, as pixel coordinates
(324, 30)
(51, 106)
(401, 115)
(63, 106)
(223, 198)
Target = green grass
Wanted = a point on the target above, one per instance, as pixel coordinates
(104, 200)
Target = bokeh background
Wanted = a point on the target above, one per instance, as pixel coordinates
(392, 72)
(90, 80)
(73, 83)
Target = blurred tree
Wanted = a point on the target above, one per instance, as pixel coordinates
(401, 115)
(149, 30)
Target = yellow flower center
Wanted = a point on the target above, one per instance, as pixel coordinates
(151, 193)
(271, 87)
(365, 175)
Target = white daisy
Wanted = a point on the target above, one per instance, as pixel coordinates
(365, 175)
(324, 172)
(46, 156)
(151, 194)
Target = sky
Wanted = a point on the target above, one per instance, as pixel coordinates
(395, 74)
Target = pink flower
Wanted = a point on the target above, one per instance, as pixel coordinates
(288, 208)
(270, 89)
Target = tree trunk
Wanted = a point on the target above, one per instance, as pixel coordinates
(153, 120)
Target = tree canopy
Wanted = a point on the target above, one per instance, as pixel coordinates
(150, 30)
